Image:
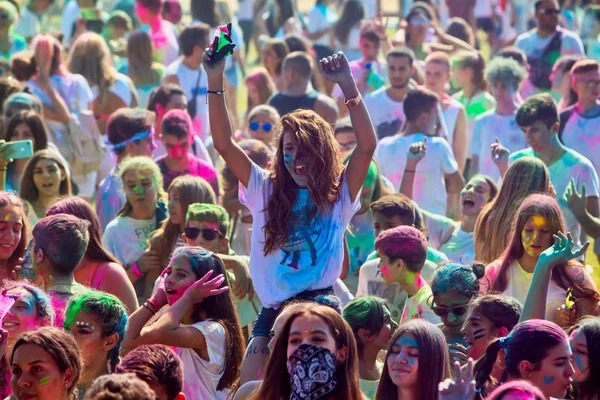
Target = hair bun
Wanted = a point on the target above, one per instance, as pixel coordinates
(478, 269)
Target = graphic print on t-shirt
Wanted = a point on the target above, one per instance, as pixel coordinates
(304, 232)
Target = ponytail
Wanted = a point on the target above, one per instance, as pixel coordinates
(485, 365)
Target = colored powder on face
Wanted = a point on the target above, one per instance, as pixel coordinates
(579, 363)
(549, 379)
(538, 221)
(406, 341)
(287, 159)
(44, 381)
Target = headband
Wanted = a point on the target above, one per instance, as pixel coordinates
(137, 136)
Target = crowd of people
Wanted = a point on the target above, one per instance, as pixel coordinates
(362, 200)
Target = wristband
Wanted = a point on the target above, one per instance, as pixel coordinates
(151, 302)
(410, 170)
(148, 308)
(136, 271)
(216, 91)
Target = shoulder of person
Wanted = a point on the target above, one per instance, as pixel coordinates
(485, 116)
(579, 158)
(521, 153)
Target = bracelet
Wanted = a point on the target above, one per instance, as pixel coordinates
(136, 271)
(148, 308)
(151, 302)
(410, 170)
(216, 91)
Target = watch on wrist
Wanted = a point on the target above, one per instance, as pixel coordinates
(353, 102)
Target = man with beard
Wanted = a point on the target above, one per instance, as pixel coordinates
(385, 104)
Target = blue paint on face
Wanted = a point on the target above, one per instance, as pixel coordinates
(579, 362)
(549, 379)
(287, 159)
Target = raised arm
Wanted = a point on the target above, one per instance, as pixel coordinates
(337, 70)
(416, 152)
(220, 126)
(583, 207)
(560, 252)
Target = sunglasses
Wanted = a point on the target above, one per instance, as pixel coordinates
(458, 311)
(265, 127)
(207, 233)
(549, 11)
(420, 21)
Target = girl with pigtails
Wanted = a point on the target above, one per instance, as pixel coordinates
(301, 206)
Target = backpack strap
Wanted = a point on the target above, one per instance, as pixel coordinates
(564, 118)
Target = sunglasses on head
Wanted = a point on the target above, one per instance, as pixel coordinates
(549, 11)
(265, 127)
(207, 233)
(458, 311)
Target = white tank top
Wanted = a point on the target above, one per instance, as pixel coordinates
(450, 117)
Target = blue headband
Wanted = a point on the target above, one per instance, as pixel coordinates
(137, 136)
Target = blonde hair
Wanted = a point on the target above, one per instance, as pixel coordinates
(145, 165)
(89, 56)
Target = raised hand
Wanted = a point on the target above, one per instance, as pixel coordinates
(416, 152)
(499, 154)
(5, 153)
(576, 201)
(336, 69)
(213, 70)
(562, 250)
(204, 288)
(458, 353)
(380, 26)
(463, 385)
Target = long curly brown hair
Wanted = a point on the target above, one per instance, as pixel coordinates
(314, 136)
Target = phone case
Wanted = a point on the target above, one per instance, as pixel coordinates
(222, 44)
(21, 149)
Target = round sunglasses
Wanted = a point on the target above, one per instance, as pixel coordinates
(254, 126)
(207, 233)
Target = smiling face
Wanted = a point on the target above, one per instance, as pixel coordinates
(554, 376)
(180, 276)
(87, 332)
(11, 227)
(22, 316)
(47, 177)
(140, 190)
(176, 214)
(312, 330)
(478, 332)
(452, 309)
(475, 196)
(296, 161)
(536, 236)
(35, 375)
(403, 361)
(581, 360)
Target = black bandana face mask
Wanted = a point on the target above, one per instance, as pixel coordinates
(312, 372)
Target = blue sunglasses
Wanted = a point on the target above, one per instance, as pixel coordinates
(265, 127)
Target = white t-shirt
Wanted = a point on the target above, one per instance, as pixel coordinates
(127, 238)
(312, 257)
(417, 307)
(74, 90)
(581, 134)
(371, 283)
(533, 45)
(30, 24)
(391, 154)
(570, 165)
(201, 377)
(386, 114)
(319, 18)
(489, 126)
(450, 117)
(123, 88)
(187, 82)
(447, 236)
(519, 281)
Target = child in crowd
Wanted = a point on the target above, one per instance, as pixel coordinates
(98, 322)
(129, 132)
(200, 322)
(59, 244)
(159, 367)
(144, 211)
(402, 252)
(177, 136)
